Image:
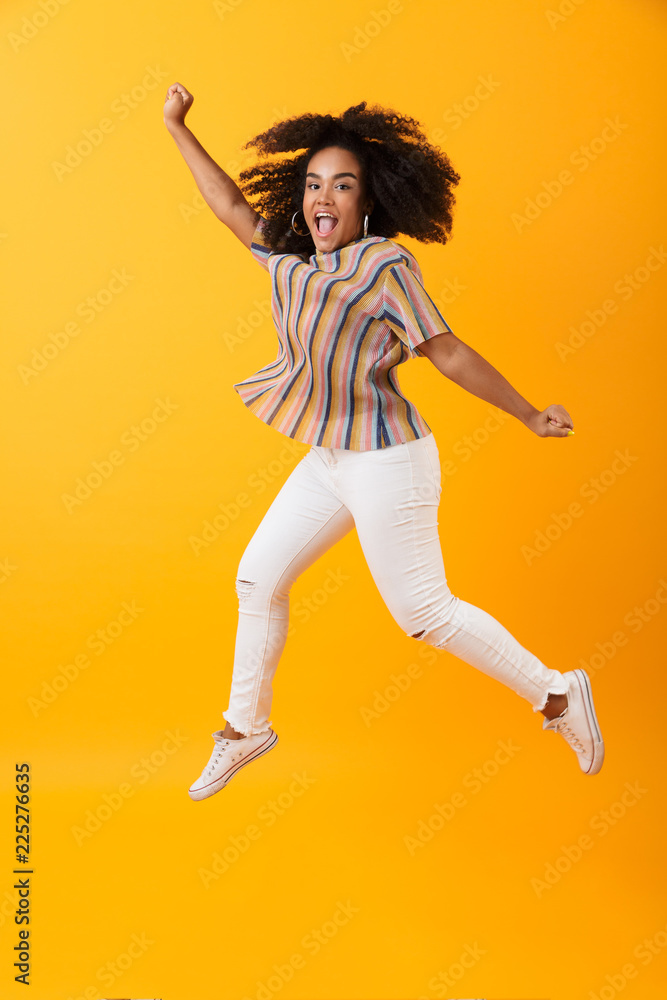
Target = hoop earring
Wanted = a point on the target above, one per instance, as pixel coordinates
(296, 230)
(366, 225)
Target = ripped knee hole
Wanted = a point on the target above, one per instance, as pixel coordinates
(244, 588)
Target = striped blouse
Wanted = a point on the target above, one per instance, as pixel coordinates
(345, 320)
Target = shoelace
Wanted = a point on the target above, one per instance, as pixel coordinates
(218, 751)
(564, 730)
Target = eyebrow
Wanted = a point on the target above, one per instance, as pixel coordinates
(335, 176)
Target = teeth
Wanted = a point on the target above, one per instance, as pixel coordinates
(320, 214)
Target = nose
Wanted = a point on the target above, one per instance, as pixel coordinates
(324, 194)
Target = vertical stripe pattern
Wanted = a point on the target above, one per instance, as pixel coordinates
(345, 320)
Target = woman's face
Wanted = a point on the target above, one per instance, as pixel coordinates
(335, 185)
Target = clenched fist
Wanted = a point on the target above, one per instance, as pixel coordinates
(555, 421)
(177, 104)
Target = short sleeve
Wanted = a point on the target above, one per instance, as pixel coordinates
(259, 248)
(409, 310)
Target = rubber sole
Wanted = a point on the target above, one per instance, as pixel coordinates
(215, 786)
(598, 743)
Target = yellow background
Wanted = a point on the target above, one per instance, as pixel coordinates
(533, 88)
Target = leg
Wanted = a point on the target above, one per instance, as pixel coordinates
(305, 519)
(393, 495)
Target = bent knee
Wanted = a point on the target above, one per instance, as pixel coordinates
(440, 626)
(245, 588)
(260, 590)
(437, 636)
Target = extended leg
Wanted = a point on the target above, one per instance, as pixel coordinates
(394, 497)
(305, 519)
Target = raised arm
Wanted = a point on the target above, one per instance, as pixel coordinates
(220, 192)
(472, 372)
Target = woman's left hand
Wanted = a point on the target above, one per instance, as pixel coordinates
(555, 421)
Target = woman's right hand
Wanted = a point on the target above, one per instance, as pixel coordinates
(177, 104)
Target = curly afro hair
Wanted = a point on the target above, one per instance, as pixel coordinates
(410, 181)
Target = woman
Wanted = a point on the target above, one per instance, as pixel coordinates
(349, 306)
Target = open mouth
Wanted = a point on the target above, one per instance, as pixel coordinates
(325, 223)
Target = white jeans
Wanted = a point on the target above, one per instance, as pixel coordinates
(391, 496)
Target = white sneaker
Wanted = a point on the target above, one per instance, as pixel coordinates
(228, 757)
(578, 723)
